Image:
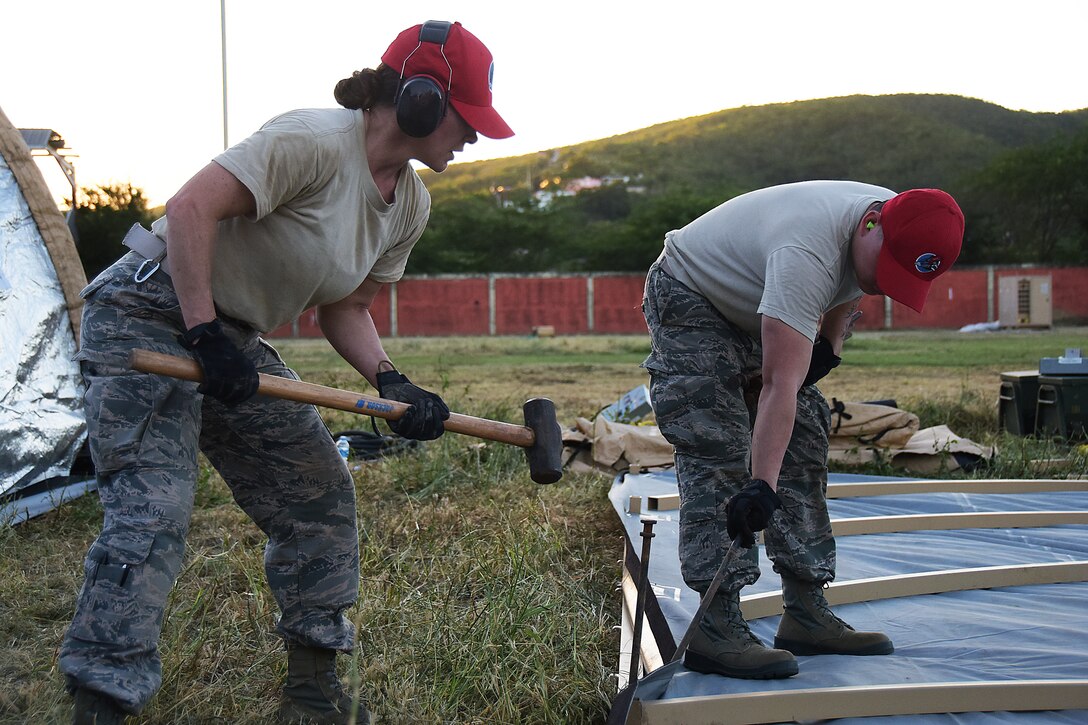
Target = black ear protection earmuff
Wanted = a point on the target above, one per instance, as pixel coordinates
(420, 100)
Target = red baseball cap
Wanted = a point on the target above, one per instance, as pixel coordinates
(463, 64)
(923, 233)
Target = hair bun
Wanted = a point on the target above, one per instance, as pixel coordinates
(354, 92)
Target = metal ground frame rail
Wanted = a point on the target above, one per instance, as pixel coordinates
(858, 525)
(769, 604)
(893, 698)
(812, 705)
(993, 485)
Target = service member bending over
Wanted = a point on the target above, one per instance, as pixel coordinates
(747, 308)
(319, 208)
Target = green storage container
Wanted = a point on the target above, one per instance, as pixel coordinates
(1062, 406)
(1017, 401)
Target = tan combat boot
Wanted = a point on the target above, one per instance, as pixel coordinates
(313, 693)
(724, 645)
(809, 627)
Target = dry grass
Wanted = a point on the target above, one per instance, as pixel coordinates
(484, 597)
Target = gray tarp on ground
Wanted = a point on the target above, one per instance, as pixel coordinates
(1015, 633)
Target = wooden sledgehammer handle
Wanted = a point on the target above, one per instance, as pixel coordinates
(177, 367)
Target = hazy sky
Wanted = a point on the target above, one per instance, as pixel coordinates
(134, 86)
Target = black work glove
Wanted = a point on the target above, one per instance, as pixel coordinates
(423, 420)
(750, 510)
(229, 376)
(824, 360)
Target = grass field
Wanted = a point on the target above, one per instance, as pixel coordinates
(484, 597)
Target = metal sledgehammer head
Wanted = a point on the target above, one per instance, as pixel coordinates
(546, 453)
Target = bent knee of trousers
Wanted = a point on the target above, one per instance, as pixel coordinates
(705, 486)
(703, 545)
(317, 565)
(314, 575)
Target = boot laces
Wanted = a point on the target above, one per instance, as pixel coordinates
(730, 624)
(743, 631)
(822, 606)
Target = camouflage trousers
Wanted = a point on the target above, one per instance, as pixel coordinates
(277, 457)
(705, 377)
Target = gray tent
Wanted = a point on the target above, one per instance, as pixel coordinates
(42, 426)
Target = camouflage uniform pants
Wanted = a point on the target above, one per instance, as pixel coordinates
(705, 376)
(145, 430)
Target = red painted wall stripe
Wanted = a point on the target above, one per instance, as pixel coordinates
(451, 306)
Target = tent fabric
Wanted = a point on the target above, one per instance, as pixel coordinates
(931, 449)
(43, 497)
(51, 225)
(42, 424)
(960, 636)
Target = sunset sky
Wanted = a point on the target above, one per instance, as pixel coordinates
(134, 86)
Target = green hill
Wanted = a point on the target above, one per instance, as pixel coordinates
(898, 141)
(1021, 178)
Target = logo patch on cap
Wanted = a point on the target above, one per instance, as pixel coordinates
(490, 75)
(927, 263)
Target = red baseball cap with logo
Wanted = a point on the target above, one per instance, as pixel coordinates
(923, 233)
(463, 64)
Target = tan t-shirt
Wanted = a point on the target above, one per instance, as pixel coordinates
(321, 226)
(783, 251)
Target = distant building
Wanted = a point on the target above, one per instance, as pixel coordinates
(549, 189)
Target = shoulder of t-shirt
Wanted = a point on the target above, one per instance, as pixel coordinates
(315, 121)
(879, 193)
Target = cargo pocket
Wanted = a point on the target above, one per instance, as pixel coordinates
(136, 420)
(691, 403)
(806, 456)
(119, 416)
(109, 609)
(684, 380)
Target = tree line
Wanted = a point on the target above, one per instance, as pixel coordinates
(1026, 206)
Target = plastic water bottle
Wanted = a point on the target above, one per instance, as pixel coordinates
(344, 446)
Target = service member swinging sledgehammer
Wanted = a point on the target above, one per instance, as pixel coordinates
(748, 307)
(319, 208)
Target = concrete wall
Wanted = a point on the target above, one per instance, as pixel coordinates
(577, 304)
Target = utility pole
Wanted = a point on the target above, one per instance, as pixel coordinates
(223, 45)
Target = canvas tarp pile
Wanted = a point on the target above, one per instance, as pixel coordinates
(609, 447)
(860, 433)
(42, 426)
(867, 432)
